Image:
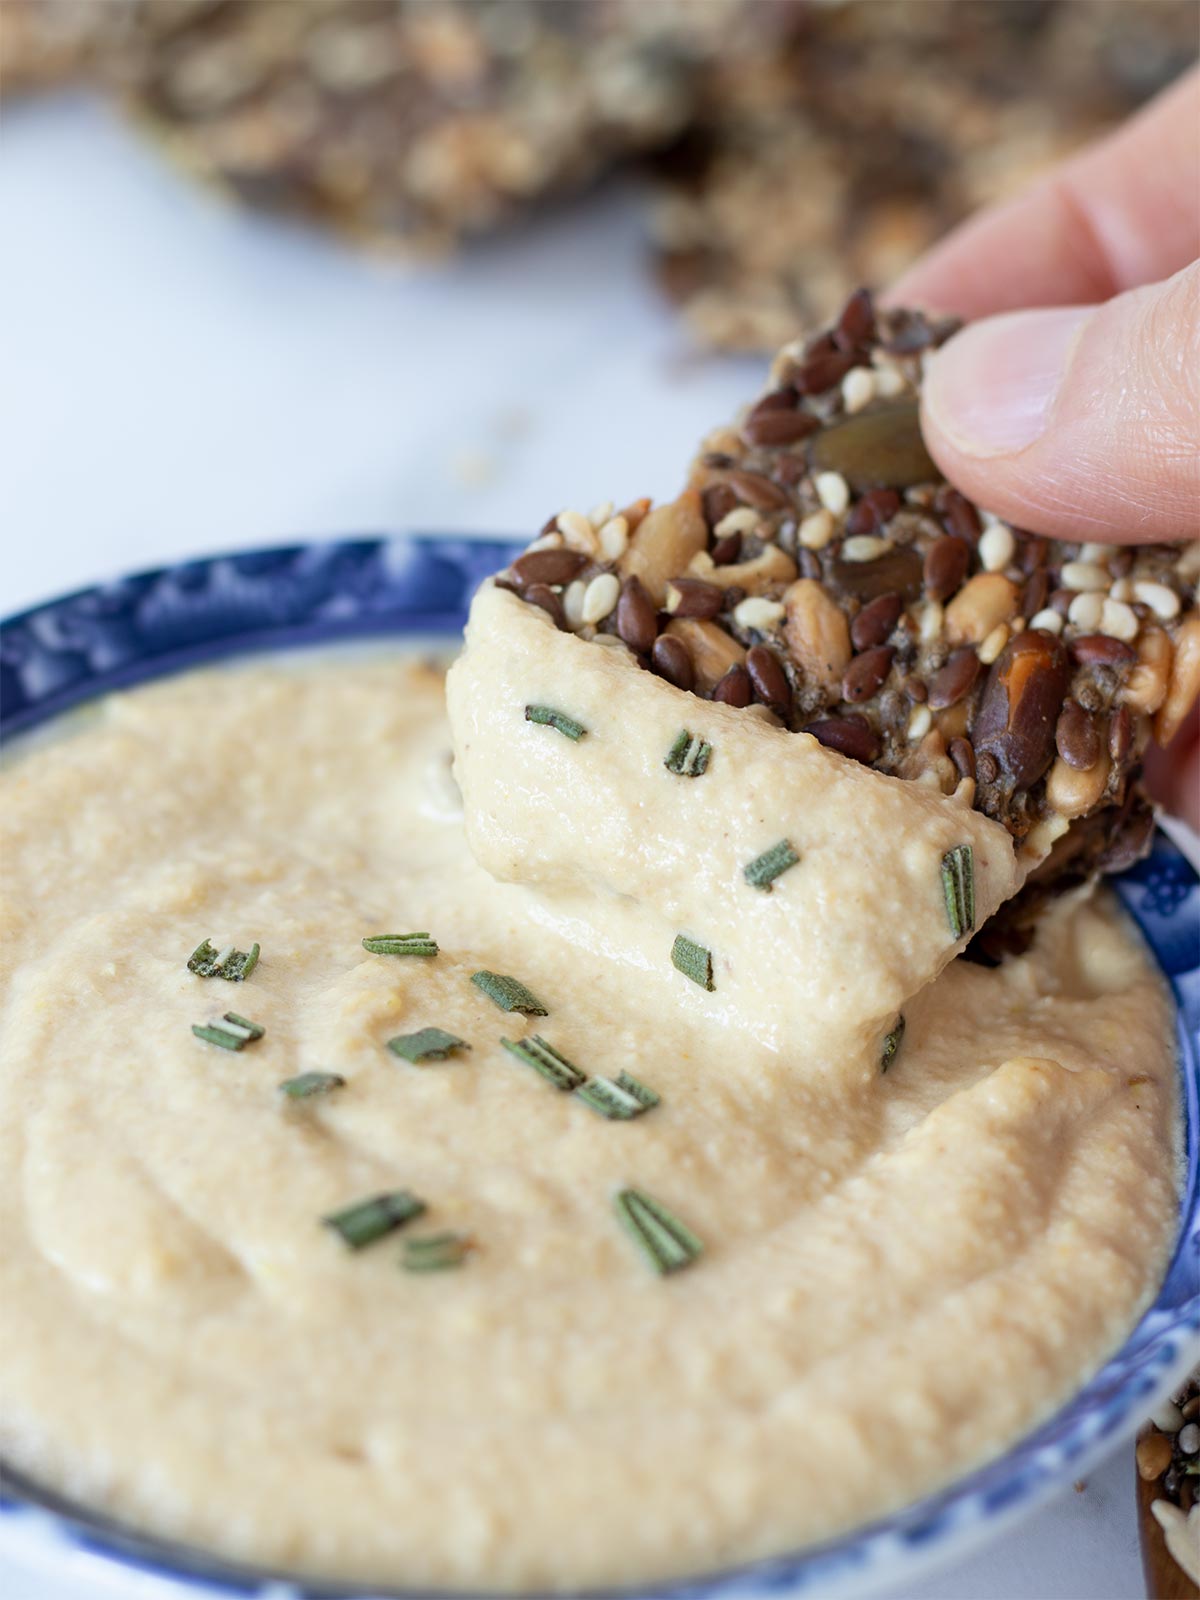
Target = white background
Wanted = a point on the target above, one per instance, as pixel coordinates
(176, 378)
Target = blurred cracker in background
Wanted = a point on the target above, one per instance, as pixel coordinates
(875, 127)
(410, 125)
(791, 146)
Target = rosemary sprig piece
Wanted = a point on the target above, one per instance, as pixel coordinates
(544, 1058)
(427, 1044)
(668, 1244)
(401, 944)
(618, 1100)
(689, 755)
(235, 966)
(958, 886)
(764, 869)
(437, 1252)
(693, 960)
(307, 1084)
(510, 994)
(548, 717)
(891, 1044)
(231, 1033)
(368, 1220)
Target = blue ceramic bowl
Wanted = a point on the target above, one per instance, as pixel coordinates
(59, 654)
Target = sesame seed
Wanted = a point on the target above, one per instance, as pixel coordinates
(832, 491)
(1167, 1418)
(1164, 602)
(755, 612)
(1085, 576)
(997, 547)
(576, 528)
(865, 547)
(744, 519)
(614, 538)
(1048, 621)
(1086, 610)
(573, 602)
(932, 617)
(1119, 620)
(815, 531)
(600, 596)
(919, 723)
(890, 382)
(858, 388)
(1189, 1439)
(993, 644)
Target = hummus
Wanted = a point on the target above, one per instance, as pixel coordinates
(901, 1271)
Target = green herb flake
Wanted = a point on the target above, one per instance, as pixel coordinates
(668, 1244)
(401, 944)
(548, 717)
(510, 994)
(693, 960)
(689, 755)
(764, 869)
(891, 1044)
(368, 1220)
(544, 1058)
(958, 886)
(231, 1033)
(437, 1252)
(235, 966)
(308, 1084)
(427, 1044)
(619, 1100)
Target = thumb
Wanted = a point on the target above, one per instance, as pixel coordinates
(1081, 422)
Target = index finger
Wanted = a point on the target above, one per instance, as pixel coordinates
(1124, 212)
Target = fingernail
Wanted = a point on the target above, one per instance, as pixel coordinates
(992, 389)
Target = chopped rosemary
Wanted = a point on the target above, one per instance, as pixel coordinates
(891, 1044)
(437, 1252)
(401, 944)
(427, 1044)
(510, 994)
(544, 1058)
(693, 960)
(548, 717)
(367, 1220)
(666, 1242)
(231, 1033)
(764, 869)
(958, 886)
(618, 1100)
(206, 961)
(308, 1084)
(688, 756)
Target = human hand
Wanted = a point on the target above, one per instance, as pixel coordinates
(1081, 419)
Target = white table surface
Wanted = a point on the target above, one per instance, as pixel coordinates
(176, 378)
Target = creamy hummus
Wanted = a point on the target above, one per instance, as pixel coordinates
(901, 1271)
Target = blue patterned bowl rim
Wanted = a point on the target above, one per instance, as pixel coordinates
(71, 649)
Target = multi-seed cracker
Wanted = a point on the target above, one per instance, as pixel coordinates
(917, 633)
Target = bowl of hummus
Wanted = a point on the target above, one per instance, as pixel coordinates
(383, 1221)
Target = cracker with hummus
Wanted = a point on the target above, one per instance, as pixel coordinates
(818, 578)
